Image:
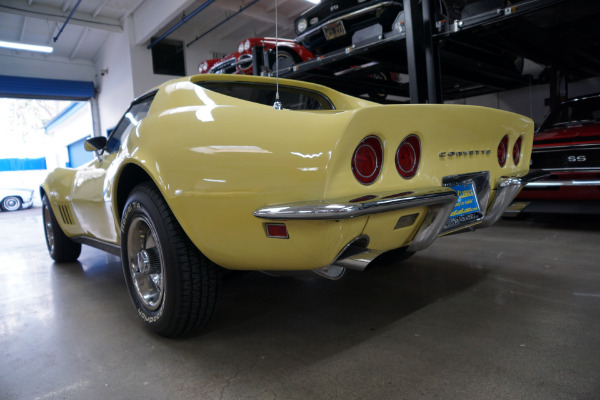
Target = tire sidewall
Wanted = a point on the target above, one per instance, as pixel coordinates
(140, 204)
(18, 201)
(46, 205)
(65, 249)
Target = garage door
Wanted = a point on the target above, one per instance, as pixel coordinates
(78, 155)
(38, 88)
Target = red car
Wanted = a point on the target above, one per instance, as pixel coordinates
(567, 146)
(240, 62)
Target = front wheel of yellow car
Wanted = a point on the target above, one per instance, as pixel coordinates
(60, 247)
(174, 288)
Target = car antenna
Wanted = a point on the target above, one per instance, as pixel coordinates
(277, 105)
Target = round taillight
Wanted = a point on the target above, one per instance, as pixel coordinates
(502, 151)
(408, 156)
(367, 160)
(517, 150)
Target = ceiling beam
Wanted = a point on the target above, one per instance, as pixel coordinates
(66, 5)
(257, 13)
(55, 14)
(23, 27)
(78, 44)
(99, 8)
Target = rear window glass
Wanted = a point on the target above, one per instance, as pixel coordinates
(292, 98)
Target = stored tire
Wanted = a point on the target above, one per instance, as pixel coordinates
(60, 247)
(173, 286)
(11, 203)
(286, 58)
(378, 94)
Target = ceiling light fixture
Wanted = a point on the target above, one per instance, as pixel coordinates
(314, 1)
(28, 47)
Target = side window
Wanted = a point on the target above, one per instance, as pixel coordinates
(132, 118)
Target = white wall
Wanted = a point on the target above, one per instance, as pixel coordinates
(129, 66)
(530, 101)
(115, 87)
(26, 65)
(144, 78)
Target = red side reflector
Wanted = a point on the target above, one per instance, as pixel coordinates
(278, 231)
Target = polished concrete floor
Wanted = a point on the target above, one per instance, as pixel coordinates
(509, 312)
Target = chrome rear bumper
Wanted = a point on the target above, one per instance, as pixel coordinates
(346, 208)
(440, 202)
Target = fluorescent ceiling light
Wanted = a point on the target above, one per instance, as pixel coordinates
(28, 47)
(314, 1)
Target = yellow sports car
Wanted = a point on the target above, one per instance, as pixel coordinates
(205, 172)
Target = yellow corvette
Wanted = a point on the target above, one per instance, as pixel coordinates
(204, 172)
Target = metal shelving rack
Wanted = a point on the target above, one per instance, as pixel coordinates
(447, 58)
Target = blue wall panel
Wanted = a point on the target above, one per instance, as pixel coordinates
(22, 164)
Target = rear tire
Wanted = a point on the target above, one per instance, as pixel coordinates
(11, 203)
(173, 286)
(61, 248)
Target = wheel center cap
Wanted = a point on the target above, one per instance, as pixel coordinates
(143, 261)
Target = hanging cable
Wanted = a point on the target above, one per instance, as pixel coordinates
(277, 105)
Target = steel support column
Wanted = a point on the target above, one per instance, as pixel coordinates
(432, 56)
(422, 53)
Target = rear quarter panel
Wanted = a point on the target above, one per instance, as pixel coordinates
(216, 164)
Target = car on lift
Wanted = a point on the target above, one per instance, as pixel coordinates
(15, 199)
(246, 172)
(286, 51)
(334, 24)
(567, 147)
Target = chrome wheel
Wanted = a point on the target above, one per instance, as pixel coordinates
(11, 203)
(146, 262)
(48, 229)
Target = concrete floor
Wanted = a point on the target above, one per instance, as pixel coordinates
(509, 312)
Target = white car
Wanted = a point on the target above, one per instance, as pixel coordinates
(15, 199)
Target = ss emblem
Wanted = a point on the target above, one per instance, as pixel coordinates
(576, 159)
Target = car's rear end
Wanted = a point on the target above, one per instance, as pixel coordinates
(571, 156)
(567, 149)
(403, 175)
(258, 188)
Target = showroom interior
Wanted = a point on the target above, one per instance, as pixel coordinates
(511, 311)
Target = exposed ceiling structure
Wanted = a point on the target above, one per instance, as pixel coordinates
(39, 22)
(475, 60)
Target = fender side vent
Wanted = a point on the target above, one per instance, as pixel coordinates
(65, 213)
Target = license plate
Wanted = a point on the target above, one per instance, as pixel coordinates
(334, 30)
(466, 202)
(466, 210)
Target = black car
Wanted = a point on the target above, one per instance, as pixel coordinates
(334, 24)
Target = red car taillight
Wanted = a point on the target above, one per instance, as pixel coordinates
(502, 151)
(367, 160)
(517, 150)
(408, 156)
